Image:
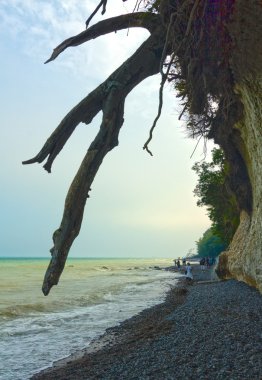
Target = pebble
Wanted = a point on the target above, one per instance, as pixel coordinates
(212, 333)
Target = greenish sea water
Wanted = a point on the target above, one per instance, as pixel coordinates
(92, 295)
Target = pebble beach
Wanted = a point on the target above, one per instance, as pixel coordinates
(205, 329)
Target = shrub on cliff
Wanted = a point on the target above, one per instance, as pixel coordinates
(213, 191)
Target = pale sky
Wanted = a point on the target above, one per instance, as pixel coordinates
(140, 206)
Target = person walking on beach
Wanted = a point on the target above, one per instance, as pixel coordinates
(188, 273)
(202, 263)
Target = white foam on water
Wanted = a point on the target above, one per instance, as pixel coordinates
(40, 335)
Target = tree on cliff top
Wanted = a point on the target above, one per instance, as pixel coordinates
(195, 44)
(209, 245)
(213, 191)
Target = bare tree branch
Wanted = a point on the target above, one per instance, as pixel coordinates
(84, 112)
(130, 20)
(108, 97)
(101, 4)
(164, 76)
(106, 139)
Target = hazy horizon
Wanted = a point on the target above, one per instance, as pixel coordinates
(139, 206)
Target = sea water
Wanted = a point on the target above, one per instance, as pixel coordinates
(92, 295)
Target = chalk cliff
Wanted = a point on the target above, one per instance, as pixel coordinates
(243, 259)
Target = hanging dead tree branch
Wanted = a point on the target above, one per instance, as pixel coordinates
(109, 97)
(194, 37)
(88, 108)
(102, 4)
(164, 76)
(130, 20)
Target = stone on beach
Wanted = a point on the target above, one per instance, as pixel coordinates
(210, 330)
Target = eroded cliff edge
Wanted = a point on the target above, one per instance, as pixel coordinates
(243, 259)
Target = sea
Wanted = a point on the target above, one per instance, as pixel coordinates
(92, 295)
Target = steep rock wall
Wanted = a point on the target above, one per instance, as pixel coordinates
(243, 260)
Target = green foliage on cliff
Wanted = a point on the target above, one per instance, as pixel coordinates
(214, 192)
(210, 245)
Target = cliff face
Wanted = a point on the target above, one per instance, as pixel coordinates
(243, 260)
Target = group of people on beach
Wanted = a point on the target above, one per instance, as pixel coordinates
(186, 267)
(207, 262)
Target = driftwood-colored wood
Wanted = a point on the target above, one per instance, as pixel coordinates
(130, 20)
(109, 98)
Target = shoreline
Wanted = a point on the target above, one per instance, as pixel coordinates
(114, 334)
(208, 330)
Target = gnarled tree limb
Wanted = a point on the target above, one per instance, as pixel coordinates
(88, 108)
(101, 4)
(84, 112)
(108, 97)
(130, 20)
(106, 139)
